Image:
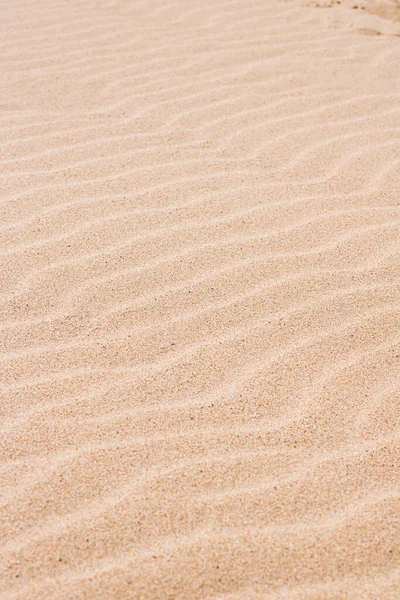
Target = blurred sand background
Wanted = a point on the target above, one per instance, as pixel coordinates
(199, 303)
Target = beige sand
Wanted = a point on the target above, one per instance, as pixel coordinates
(200, 307)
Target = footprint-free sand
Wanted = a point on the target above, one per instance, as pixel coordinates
(200, 300)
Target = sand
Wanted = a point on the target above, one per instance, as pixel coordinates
(199, 304)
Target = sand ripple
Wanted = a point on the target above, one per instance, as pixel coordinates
(200, 310)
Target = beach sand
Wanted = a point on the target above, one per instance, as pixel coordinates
(199, 304)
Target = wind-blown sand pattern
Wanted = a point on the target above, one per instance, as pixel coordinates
(200, 308)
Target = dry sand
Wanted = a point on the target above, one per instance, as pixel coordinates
(200, 308)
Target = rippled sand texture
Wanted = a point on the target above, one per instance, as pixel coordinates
(200, 308)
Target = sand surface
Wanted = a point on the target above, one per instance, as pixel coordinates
(200, 300)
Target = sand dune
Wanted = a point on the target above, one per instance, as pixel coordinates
(200, 309)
